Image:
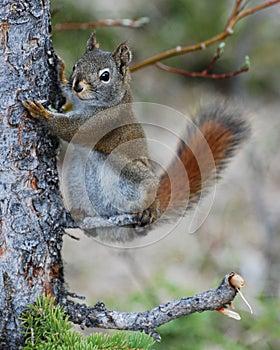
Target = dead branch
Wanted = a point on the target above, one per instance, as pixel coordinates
(219, 299)
(126, 22)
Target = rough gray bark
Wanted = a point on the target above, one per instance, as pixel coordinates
(30, 203)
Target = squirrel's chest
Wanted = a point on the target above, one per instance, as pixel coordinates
(97, 185)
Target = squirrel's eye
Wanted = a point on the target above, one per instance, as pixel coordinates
(104, 75)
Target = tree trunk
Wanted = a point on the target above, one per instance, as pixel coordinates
(31, 206)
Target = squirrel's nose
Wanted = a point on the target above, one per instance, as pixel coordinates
(79, 84)
(77, 87)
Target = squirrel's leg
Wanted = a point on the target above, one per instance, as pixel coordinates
(62, 125)
(136, 194)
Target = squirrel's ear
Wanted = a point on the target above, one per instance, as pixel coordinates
(122, 55)
(92, 43)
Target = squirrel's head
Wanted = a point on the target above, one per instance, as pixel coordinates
(101, 78)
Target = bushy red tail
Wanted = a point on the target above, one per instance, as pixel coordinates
(224, 130)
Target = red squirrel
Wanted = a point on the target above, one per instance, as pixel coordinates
(111, 183)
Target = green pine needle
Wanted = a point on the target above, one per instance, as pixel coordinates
(46, 327)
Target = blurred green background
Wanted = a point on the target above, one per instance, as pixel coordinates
(241, 232)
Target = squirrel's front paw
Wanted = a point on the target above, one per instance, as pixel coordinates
(36, 109)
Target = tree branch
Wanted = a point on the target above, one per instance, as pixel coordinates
(126, 22)
(204, 74)
(237, 14)
(218, 299)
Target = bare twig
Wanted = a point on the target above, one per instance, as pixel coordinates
(126, 22)
(237, 14)
(252, 10)
(204, 74)
(216, 57)
(219, 299)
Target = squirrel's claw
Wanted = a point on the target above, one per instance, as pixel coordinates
(36, 109)
(140, 219)
(60, 67)
(148, 216)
